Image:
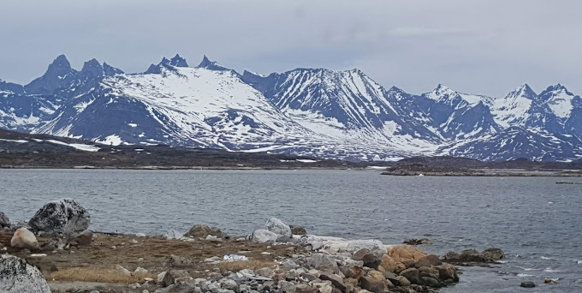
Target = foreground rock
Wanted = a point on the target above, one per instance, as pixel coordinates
(4, 221)
(17, 276)
(64, 216)
(23, 238)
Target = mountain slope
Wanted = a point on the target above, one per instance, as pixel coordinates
(314, 112)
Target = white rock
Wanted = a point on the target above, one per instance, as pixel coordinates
(17, 276)
(278, 227)
(140, 270)
(160, 277)
(123, 270)
(264, 236)
(372, 245)
(23, 238)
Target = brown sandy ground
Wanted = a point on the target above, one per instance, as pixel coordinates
(97, 262)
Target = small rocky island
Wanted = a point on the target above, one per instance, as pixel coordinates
(57, 252)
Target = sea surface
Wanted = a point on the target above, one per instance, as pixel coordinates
(537, 222)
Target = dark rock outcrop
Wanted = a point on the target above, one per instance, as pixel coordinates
(4, 221)
(64, 216)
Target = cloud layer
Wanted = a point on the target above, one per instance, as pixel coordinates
(479, 46)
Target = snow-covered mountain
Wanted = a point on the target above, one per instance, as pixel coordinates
(316, 112)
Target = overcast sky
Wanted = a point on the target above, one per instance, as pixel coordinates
(478, 46)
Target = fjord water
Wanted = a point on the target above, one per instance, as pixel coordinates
(534, 220)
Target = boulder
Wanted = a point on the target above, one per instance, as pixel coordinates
(84, 238)
(372, 260)
(493, 254)
(322, 262)
(527, 284)
(452, 256)
(389, 264)
(61, 216)
(202, 231)
(412, 275)
(305, 288)
(282, 230)
(351, 271)
(264, 236)
(447, 273)
(414, 241)
(4, 221)
(23, 238)
(401, 253)
(375, 282)
(17, 276)
(428, 261)
(336, 281)
(177, 261)
(472, 255)
(175, 276)
(298, 230)
(287, 287)
(428, 272)
(375, 246)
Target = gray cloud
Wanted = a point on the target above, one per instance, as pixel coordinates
(480, 46)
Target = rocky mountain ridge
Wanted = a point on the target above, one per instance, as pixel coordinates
(313, 112)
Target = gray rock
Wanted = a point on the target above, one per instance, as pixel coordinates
(322, 262)
(287, 287)
(412, 275)
(177, 261)
(203, 231)
(372, 260)
(309, 241)
(289, 263)
(265, 272)
(84, 238)
(264, 236)
(375, 246)
(493, 254)
(528, 284)
(61, 216)
(17, 276)
(282, 230)
(336, 281)
(4, 221)
(175, 276)
(298, 230)
(229, 284)
(305, 288)
(374, 282)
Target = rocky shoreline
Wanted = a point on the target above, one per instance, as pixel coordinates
(56, 252)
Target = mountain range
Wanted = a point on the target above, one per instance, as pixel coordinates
(311, 112)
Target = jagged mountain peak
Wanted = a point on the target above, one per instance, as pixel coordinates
(92, 67)
(212, 65)
(109, 70)
(59, 67)
(178, 61)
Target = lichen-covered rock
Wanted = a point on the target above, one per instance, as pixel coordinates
(24, 239)
(202, 231)
(65, 216)
(278, 227)
(264, 236)
(4, 221)
(17, 276)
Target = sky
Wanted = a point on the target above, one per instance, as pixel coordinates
(487, 47)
